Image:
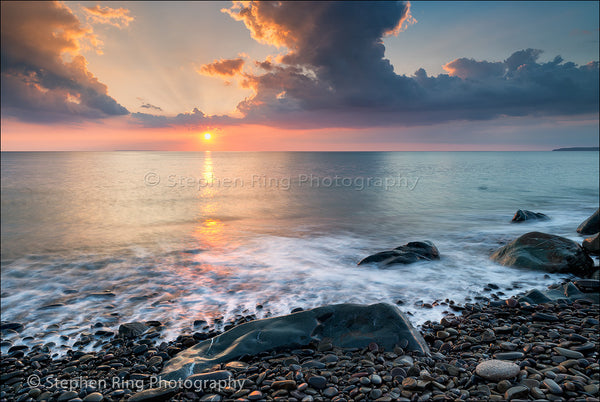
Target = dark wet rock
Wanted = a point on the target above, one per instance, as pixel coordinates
(284, 384)
(509, 355)
(587, 285)
(406, 254)
(545, 252)
(591, 225)
(517, 392)
(132, 329)
(552, 386)
(346, 325)
(14, 326)
(94, 397)
(67, 396)
(154, 395)
(568, 292)
(571, 354)
(317, 382)
(330, 392)
(523, 215)
(592, 244)
(544, 317)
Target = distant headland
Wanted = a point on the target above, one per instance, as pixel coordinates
(578, 149)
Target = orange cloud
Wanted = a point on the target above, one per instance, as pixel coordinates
(117, 17)
(259, 19)
(404, 22)
(44, 76)
(223, 67)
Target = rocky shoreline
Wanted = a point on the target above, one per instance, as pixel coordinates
(541, 345)
(544, 351)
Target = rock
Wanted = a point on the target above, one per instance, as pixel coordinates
(330, 392)
(571, 354)
(154, 395)
(544, 317)
(545, 252)
(591, 225)
(15, 326)
(523, 215)
(284, 384)
(552, 386)
(255, 395)
(588, 285)
(509, 355)
(568, 292)
(497, 370)
(406, 254)
(140, 349)
(67, 396)
(517, 392)
(132, 329)
(94, 397)
(317, 382)
(347, 326)
(592, 244)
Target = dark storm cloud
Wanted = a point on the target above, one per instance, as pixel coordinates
(43, 76)
(334, 73)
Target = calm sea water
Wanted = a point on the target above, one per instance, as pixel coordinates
(113, 237)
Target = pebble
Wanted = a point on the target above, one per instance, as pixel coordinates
(317, 382)
(572, 354)
(94, 397)
(516, 392)
(497, 370)
(67, 396)
(551, 356)
(284, 384)
(330, 392)
(552, 386)
(509, 355)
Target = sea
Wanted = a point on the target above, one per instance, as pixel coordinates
(93, 239)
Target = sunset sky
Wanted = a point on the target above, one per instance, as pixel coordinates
(299, 75)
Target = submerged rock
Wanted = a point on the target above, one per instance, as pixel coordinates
(344, 325)
(406, 254)
(545, 252)
(523, 215)
(591, 225)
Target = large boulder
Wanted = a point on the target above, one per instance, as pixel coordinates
(344, 325)
(545, 252)
(591, 225)
(406, 254)
(592, 245)
(523, 215)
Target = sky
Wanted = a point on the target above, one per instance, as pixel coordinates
(306, 76)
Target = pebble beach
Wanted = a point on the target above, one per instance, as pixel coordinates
(545, 352)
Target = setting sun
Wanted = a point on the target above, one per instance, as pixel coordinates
(207, 136)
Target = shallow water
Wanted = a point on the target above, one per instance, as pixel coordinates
(121, 236)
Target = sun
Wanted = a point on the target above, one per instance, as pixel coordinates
(207, 136)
